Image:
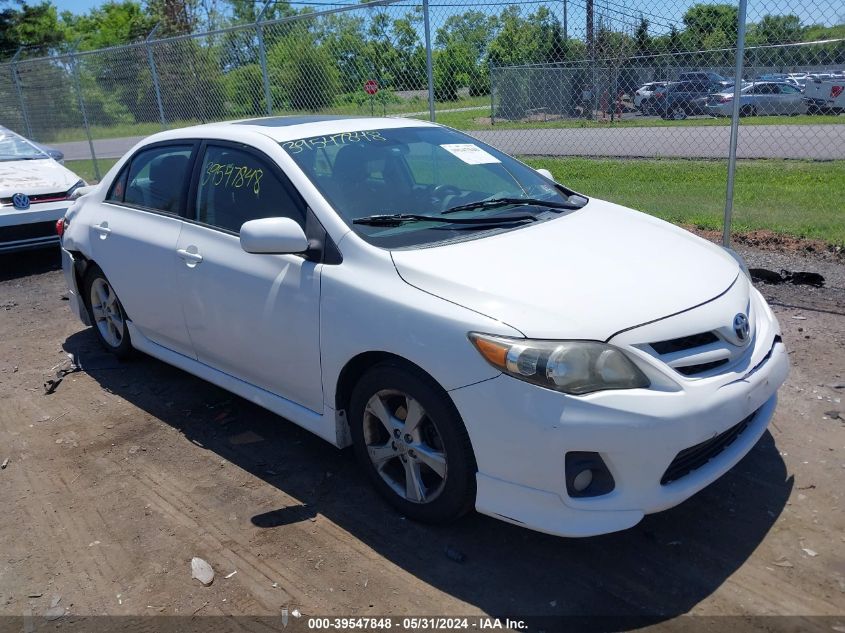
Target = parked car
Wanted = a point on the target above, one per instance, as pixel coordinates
(761, 98)
(482, 335)
(701, 76)
(681, 99)
(34, 193)
(644, 94)
(825, 96)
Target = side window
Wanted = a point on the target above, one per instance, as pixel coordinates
(157, 177)
(118, 187)
(786, 89)
(236, 186)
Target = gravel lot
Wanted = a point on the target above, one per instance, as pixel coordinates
(115, 481)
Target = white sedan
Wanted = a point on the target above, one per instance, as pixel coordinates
(35, 191)
(482, 335)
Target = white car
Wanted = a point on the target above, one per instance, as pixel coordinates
(34, 194)
(483, 336)
(646, 92)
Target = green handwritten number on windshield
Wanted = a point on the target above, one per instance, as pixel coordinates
(343, 138)
(233, 176)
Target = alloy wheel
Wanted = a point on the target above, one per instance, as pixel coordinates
(405, 446)
(107, 313)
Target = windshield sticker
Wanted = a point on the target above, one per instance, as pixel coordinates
(235, 176)
(320, 142)
(470, 154)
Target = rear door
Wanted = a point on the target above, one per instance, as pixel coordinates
(134, 235)
(789, 100)
(253, 316)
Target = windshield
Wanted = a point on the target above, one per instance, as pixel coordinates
(14, 147)
(426, 171)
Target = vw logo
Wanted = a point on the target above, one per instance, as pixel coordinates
(20, 201)
(741, 327)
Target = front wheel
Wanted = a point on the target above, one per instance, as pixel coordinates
(410, 440)
(678, 113)
(106, 313)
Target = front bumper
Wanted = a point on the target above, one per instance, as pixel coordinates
(31, 228)
(521, 434)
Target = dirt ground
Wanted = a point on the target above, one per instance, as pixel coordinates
(129, 469)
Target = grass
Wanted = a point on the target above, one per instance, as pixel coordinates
(468, 120)
(120, 130)
(85, 168)
(471, 120)
(798, 198)
(793, 197)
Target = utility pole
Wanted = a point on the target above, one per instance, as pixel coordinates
(590, 49)
(565, 23)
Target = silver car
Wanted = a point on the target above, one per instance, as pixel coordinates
(759, 98)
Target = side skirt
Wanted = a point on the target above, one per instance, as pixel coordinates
(324, 426)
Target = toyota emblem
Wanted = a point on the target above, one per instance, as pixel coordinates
(741, 327)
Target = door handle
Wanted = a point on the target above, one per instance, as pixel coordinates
(103, 229)
(188, 256)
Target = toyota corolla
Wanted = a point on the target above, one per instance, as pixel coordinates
(483, 336)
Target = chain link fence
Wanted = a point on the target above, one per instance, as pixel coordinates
(567, 79)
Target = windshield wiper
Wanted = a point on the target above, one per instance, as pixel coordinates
(495, 203)
(396, 219)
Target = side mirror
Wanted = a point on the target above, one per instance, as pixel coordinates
(273, 235)
(546, 173)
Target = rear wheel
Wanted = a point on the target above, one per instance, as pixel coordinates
(747, 111)
(106, 313)
(410, 440)
(677, 113)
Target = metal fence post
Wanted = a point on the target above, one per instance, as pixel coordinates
(740, 54)
(262, 59)
(78, 84)
(154, 74)
(19, 90)
(265, 77)
(429, 66)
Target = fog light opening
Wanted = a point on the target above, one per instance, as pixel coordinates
(583, 480)
(587, 475)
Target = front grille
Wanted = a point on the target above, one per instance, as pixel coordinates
(684, 343)
(695, 457)
(692, 370)
(41, 197)
(27, 231)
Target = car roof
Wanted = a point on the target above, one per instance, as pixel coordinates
(286, 128)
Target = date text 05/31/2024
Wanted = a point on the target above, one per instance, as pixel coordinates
(430, 623)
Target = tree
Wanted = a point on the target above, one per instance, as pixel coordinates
(111, 24)
(716, 22)
(303, 73)
(642, 40)
(30, 25)
(776, 29)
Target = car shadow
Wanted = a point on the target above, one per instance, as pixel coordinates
(656, 570)
(34, 262)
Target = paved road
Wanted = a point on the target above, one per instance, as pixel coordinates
(818, 142)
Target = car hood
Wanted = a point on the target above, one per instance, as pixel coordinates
(34, 177)
(587, 274)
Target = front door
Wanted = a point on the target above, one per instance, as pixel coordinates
(255, 317)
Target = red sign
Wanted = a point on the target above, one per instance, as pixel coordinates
(371, 86)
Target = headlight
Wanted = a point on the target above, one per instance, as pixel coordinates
(574, 367)
(77, 185)
(739, 260)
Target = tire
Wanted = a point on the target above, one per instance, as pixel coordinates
(442, 484)
(678, 113)
(747, 111)
(106, 313)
